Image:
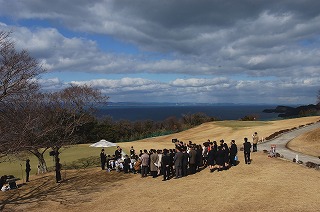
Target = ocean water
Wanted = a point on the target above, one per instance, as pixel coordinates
(159, 113)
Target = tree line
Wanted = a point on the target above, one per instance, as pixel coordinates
(124, 130)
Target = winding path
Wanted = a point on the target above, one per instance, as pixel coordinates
(282, 140)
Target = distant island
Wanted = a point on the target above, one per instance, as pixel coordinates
(289, 112)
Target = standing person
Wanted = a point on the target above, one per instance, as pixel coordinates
(165, 165)
(137, 164)
(211, 157)
(117, 153)
(226, 155)
(58, 170)
(185, 161)
(144, 163)
(205, 151)
(103, 159)
(126, 164)
(220, 158)
(215, 146)
(132, 152)
(247, 149)
(199, 160)
(255, 139)
(171, 155)
(178, 163)
(153, 163)
(192, 159)
(233, 153)
(28, 169)
(160, 154)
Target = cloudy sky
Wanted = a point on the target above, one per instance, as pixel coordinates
(174, 50)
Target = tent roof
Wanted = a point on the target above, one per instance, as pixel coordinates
(103, 143)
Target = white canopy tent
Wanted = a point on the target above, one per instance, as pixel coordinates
(103, 143)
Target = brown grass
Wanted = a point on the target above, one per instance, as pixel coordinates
(265, 185)
(308, 143)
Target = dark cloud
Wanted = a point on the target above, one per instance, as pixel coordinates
(278, 40)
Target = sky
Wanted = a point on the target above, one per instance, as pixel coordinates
(201, 51)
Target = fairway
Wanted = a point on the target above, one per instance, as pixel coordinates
(68, 155)
(240, 124)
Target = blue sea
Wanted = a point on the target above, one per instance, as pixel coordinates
(161, 112)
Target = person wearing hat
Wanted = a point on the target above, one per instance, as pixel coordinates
(28, 169)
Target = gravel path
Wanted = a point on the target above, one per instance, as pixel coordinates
(282, 140)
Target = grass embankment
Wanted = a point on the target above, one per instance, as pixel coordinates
(308, 143)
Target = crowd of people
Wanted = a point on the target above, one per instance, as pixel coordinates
(185, 159)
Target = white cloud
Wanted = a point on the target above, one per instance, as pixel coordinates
(273, 47)
(200, 90)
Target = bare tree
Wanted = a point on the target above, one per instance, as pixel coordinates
(71, 108)
(18, 70)
(24, 126)
(18, 73)
(47, 121)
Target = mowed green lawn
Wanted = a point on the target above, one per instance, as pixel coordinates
(67, 156)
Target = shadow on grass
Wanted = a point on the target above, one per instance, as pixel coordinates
(76, 188)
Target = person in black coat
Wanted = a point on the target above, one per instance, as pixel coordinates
(58, 170)
(126, 164)
(226, 155)
(165, 164)
(28, 169)
(171, 155)
(247, 149)
(3, 180)
(118, 153)
(211, 158)
(220, 158)
(132, 152)
(233, 153)
(103, 159)
(185, 161)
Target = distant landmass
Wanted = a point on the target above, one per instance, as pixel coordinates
(180, 104)
(136, 111)
(287, 111)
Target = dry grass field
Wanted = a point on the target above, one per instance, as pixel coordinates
(308, 143)
(265, 185)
